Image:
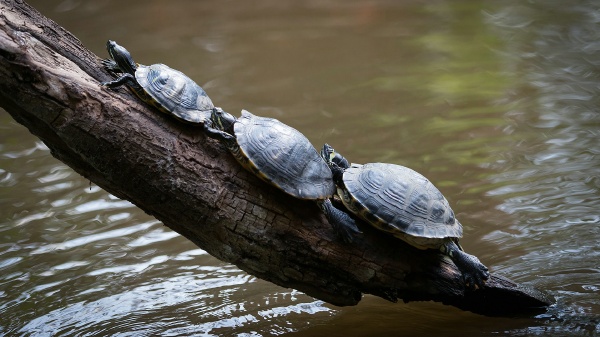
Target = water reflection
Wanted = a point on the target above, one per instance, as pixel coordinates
(494, 102)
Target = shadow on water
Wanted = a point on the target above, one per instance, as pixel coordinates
(495, 102)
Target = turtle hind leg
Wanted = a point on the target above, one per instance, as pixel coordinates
(474, 272)
(341, 222)
(219, 134)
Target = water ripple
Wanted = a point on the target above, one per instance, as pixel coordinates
(132, 269)
(113, 311)
(153, 237)
(80, 241)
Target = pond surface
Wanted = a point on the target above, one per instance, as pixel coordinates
(495, 102)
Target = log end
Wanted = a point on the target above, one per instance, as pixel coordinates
(503, 297)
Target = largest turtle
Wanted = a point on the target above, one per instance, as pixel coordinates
(283, 157)
(405, 204)
(168, 89)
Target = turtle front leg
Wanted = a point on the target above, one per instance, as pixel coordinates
(341, 222)
(127, 79)
(474, 272)
(111, 66)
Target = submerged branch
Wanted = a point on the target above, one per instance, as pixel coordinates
(50, 83)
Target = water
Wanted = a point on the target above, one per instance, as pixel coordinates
(495, 102)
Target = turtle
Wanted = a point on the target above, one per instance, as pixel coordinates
(165, 88)
(283, 157)
(402, 202)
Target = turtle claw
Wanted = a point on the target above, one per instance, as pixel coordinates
(111, 66)
(348, 233)
(475, 274)
(473, 282)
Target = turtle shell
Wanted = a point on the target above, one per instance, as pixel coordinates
(402, 202)
(282, 156)
(175, 93)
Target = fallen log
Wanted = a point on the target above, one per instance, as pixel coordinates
(50, 83)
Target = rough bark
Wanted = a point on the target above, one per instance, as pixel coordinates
(49, 82)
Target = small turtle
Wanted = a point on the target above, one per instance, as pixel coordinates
(405, 204)
(159, 85)
(281, 156)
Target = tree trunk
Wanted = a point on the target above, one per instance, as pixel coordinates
(50, 83)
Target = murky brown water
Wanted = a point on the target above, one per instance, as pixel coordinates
(496, 102)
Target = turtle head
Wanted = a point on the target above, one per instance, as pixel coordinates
(333, 158)
(122, 57)
(222, 120)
